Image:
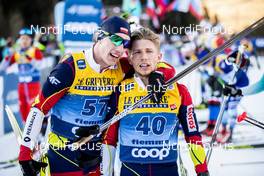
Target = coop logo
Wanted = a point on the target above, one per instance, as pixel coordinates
(190, 119)
(153, 153)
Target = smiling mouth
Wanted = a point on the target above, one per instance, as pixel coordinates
(144, 65)
(115, 55)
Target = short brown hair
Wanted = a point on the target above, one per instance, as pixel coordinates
(147, 34)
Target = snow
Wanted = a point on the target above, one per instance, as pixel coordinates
(241, 162)
(9, 149)
(231, 162)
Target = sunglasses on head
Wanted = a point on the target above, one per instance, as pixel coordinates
(117, 40)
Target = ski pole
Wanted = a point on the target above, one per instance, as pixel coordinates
(242, 163)
(236, 65)
(8, 161)
(14, 124)
(188, 70)
(18, 134)
(216, 128)
(246, 118)
(183, 170)
(245, 146)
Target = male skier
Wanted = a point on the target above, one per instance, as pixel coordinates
(77, 92)
(148, 136)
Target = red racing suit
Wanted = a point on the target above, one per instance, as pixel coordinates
(28, 76)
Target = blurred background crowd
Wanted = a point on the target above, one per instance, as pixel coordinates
(224, 18)
(189, 29)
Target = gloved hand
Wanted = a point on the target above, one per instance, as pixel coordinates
(215, 85)
(156, 86)
(243, 61)
(230, 90)
(87, 131)
(85, 160)
(29, 166)
(203, 174)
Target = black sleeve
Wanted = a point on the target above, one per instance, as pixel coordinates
(61, 77)
(113, 103)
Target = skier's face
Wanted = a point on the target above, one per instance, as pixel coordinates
(25, 41)
(144, 56)
(111, 49)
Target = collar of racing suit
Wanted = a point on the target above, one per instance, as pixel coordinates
(90, 59)
(140, 82)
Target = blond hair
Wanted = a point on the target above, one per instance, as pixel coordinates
(145, 34)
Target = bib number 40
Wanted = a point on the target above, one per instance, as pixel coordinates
(156, 125)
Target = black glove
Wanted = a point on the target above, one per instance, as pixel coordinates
(87, 131)
(230, 90)
(215, 85)
(31, 167)
(85, 160)
(156, 86)
(203, 174)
